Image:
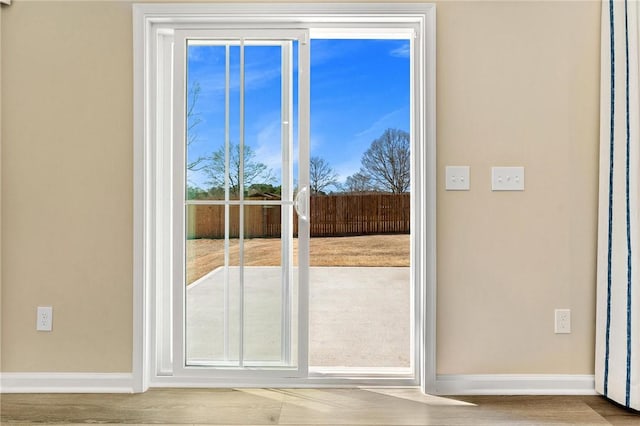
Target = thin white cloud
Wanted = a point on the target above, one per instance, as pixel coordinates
(380, 124)
(255, 78)
(316, 142)
(195, 54)
(401, 52)
(323, 50)
(267, 147)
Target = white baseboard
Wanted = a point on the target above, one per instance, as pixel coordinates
(514, 384)
(445, 384)
(66, 383)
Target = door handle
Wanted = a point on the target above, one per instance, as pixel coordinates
(302, 198)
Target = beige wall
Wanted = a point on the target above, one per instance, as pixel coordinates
(67, 185)
(517, 85)
(0, 188)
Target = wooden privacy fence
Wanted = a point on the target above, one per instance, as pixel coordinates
(330, 216)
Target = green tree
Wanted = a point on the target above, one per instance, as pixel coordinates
(196, 193)
(264, 188)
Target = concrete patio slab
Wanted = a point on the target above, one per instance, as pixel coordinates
(358, 316)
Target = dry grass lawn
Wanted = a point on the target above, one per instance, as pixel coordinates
(203, 256)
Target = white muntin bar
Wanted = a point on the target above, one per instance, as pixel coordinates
(286, 213)
(227, 324)
(241, 212)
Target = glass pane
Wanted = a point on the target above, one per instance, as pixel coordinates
(264, 280)
(263, 121)
(210, 125)
(233, 156)
(233, 317)
(239, 274)
(360, 286)
(212, 297)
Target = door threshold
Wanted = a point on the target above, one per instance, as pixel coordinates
(293, 383)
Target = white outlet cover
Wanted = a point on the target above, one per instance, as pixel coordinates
(457, 178)
(562, 321)
(44, 319)
(507, 178)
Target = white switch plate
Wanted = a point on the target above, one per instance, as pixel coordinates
(507, 178)
(457, 178)
(44, 318)
(562, 321)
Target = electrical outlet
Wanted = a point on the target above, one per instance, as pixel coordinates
(563, 321)
(44, 318)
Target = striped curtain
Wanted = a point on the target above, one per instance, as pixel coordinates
(617, 369)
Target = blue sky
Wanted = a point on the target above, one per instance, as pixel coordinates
(359, 88)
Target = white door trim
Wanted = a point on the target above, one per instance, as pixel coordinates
(151, 21)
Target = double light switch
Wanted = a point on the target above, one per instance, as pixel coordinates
(457, 178)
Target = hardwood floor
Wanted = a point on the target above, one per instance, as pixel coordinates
(309, 407)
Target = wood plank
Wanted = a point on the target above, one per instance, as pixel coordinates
(309, 406)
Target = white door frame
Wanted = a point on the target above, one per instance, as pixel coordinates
(152, 238)
(270, 37)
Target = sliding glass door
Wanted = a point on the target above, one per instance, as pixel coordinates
(254, 298)
(241, 112)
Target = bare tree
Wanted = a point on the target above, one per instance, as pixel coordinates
(193, 119)
(254, 171)
(387, 162)
(321, 175)
(358, 182)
